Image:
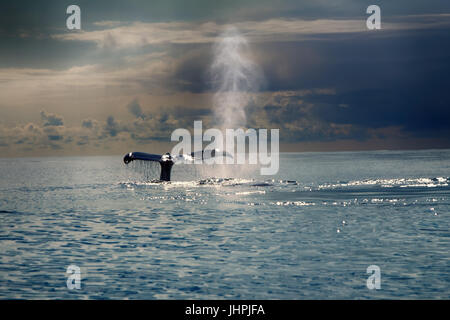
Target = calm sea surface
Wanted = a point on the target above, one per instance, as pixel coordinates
(310, 232)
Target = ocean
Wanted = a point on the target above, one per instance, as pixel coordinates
(309, 232)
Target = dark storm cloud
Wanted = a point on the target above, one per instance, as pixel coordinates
(417, 109)
(400, 79)
(397, 81)
(192, 69)
(294, 115)
(378, 82)
(135, 109)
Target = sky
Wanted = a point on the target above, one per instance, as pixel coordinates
(137, 70)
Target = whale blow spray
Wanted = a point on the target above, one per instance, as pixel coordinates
(234, 76)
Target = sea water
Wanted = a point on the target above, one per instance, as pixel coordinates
(309, 232)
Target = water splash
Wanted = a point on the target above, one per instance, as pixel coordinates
(147, 170)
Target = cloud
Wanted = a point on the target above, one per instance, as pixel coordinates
(83, 140)
(135, 109)
(140, 34)
(159, 124)
(112, 127)
(51, 119)
(108, 23)
(55, 137)
(92, 134)
(88, 123)
(295, 114)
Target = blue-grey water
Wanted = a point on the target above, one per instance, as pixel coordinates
(310, 232)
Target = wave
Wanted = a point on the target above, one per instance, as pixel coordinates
(353, 184)
(390, 183)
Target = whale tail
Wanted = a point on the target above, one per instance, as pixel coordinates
(166, 161)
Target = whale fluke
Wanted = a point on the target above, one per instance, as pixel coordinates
(167, 160)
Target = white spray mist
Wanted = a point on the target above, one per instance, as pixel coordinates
(235, 76)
